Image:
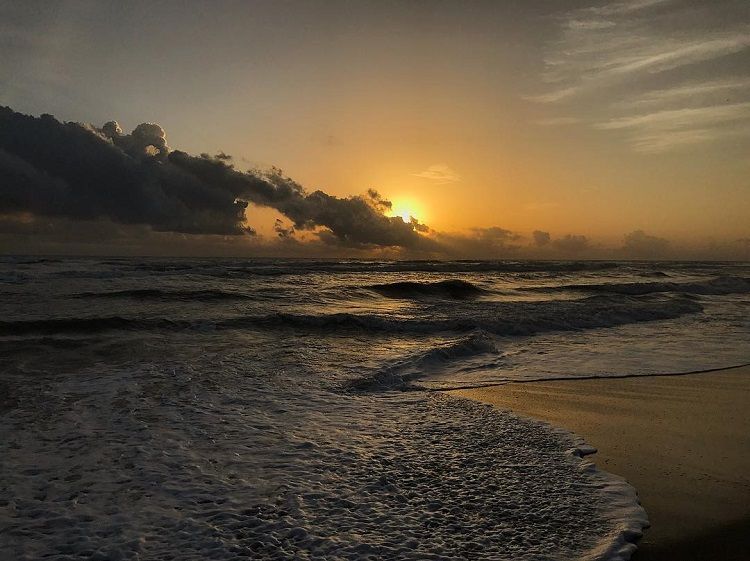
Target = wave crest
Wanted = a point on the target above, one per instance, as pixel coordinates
(455, 289)
(399, 374)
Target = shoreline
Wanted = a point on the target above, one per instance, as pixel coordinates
(682, 440)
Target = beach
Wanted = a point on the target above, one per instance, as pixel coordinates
(683, 441)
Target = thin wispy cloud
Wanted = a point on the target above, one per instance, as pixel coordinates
(558, 121)
(664, 130)
(673, 54)
(662, 141)
(554, 96)
(625, 7)
(679, 118)
(439, 174)
(721, 89)
(652, 68)
(614, 57)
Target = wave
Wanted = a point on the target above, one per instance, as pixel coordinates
(302, 267)
(398, 375)
(13, 277)
(118, 269)
(91, 325)
(510, 319)
(717, 286)
(28, 260)
(169, 295)
(455, 289)
(505, 318)
(281, 267)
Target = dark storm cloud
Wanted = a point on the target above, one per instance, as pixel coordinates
(356, 221)
(69, 170)
(50, 168)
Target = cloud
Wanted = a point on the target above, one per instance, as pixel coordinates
(555, 95)
(669, 55)
(681, 118)
(540, 238)
(499, 243)
(594, 53)
(571, 244)
(663, 130)
(705, 92)
(89, 187)
(479, 243)
(494, 234)
(640, 245)
(439, 174)
(558, 121)
(283, 232)
(611, 61)
(627, 7)
(68, 170)
(29, 234)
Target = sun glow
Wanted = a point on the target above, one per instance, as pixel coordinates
(406, 210)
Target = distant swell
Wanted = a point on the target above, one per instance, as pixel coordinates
(455, 289)
(513, 319)
(496, 318)
(304, 267)
(166, 295)
(718, 286)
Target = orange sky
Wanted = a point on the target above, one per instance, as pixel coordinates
(588, 118)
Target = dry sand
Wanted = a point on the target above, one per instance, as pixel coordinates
(682, 441)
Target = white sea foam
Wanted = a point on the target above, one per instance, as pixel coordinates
(161, 465)
(623, 508)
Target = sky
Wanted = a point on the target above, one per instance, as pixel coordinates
(504, 129)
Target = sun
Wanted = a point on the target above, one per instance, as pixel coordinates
(407, 210)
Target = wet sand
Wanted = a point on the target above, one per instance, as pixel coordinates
(682, 441)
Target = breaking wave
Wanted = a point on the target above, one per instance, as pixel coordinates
(455, 289)
(398, 374)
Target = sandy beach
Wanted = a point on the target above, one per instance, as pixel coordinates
(682, 440)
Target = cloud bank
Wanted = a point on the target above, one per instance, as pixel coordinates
(69, 187)
(80, 172)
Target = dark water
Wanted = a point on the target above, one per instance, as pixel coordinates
(221, 409)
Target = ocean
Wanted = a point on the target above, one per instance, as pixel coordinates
(291, 409)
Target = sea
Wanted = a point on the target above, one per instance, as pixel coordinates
(196, 409)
